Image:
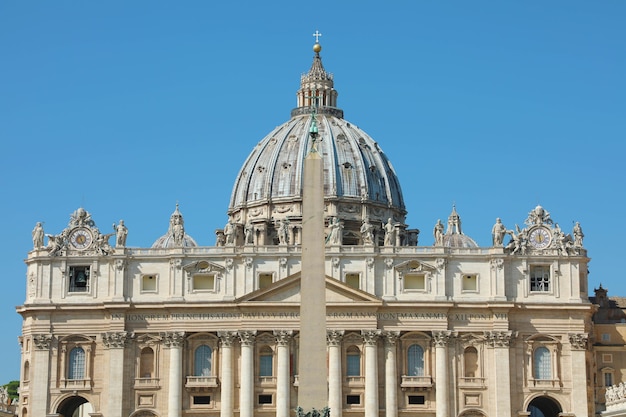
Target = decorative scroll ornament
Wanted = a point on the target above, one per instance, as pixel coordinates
(116, 339)
(497, 263)
(370, 337)
(173, 339)
(247, 337)
(499, 338)
(334, 337)
(283, 337)
(391, 337)
(578, 340)
(227, 338)
(42, 341)
(442, 337)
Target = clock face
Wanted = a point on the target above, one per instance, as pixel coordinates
(540, 238)
(81, 238)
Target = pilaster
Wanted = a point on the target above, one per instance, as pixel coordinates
(335, 394)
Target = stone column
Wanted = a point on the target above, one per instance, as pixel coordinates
(226, 377)
(370, 338)
(578, 346)
(115, 342)
(333, 339)
(391, 374)
(40, 371)
(440, 340)
(246, 384)
(174, 341)
(500, 341)
(283, 388)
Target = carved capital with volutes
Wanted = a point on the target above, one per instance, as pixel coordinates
(391, 337)
(499, 338)
(247, 337)
(173, 339)
(283, 337)
(578, 341)
(42, 341)
(370, 337)
(334, 337)
(441, 338)
(227, 338)
(116, 340)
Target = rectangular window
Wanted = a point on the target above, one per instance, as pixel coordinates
(540, 278)
(202, 282)
(149, 283)
(79, 278)
(353, 399)
(608, 379)
(607, 358)
(353, 365)
(414, 282)
(265, 399)
(606, 337)
(265, 280)
(417, 399)
(469, 282)
(265, 365)
(201, 400)
(353, 280)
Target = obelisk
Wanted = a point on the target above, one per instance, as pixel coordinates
(312, 373)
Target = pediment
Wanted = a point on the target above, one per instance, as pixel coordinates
(414, 265)
(287, 290)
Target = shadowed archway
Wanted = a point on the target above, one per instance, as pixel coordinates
(544, 407)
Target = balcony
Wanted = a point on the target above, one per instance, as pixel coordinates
(545, 384)
(355, 381)
(75, 385)
(147, 383)
(471, 382)
(416, 382)
(198, 382)
(267, 381)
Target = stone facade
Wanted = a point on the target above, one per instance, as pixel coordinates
(451, 329)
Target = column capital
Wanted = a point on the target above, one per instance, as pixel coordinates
(247, 337)
(283, 337)
(334, 337)
(227, 338)
(496, 338)
(173, 339)
(116, 340)
(370, 337)
(442, 337)
(578, 340)
(391, 337)
(42, 341)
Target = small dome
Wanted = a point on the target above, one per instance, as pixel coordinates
(454, 237)
(175, 236)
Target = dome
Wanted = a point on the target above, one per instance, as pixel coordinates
(454, 237)
(175, 236)
(359, 181)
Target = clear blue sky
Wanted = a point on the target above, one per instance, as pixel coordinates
(125, 107)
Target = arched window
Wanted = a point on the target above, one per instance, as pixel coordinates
(353, 361)
(266, 362)
(26, 371)
(202, 361)
(415, 361)
(470, 360)
(146, 363)
(76, 364)
(542, 363)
